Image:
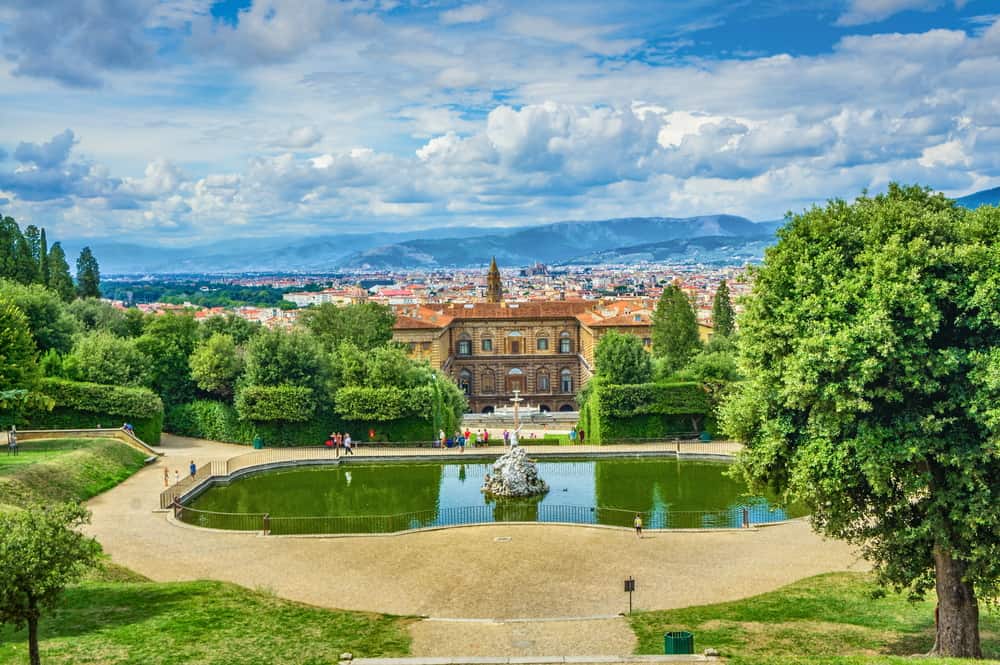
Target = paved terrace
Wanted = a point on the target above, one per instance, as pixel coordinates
(543, 571)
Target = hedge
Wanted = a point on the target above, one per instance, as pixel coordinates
(276, 403)
(385, 403)
(218, 421)
(645, 411)
(81, 405)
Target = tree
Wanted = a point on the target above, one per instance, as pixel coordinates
(16, 261)
(241, 330)
(41, 552)
(675, 328)
(94, 314)
(216, 364)
(52, 327)
(101, 357)
(18, 355)
(366, 325)
(59, 278)
(620, 359)
(43, 259)
(88, 275)
(168, 341)
(871, 351)
(296, 358)
(723, 316)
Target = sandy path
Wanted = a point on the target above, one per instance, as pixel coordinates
(542, 571)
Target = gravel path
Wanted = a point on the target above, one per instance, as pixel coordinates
(542, 571)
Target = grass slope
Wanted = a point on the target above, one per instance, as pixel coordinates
(65, 469)
(199, 622)
(827, 619)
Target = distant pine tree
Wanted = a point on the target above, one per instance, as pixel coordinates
(723, 316)
(675, 329)
(88, 275)
(43, 258)
(59, 277)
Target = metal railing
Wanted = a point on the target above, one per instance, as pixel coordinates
(740, 516)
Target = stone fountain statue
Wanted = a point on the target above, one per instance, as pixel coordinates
(513, 474)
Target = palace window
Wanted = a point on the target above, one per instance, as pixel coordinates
(464, 346)
(565, 345)
(465, 381)
(542, 343)
(566, 381)
(543, 382)
(488, 384)
(647, 341)
(487, 344)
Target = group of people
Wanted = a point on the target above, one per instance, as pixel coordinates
(577, 435)
(480, 437)
(192, 469)
(336, 440)
(12, 441)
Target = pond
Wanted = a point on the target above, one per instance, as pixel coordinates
(387, 497)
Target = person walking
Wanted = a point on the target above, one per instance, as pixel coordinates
(637, 523)
(347, 444)
(461, 443)
(572, 436)
(193, 468)
(582, 435)
(166, 476)
(506, 438)
(177, 476)
(441, 439)
(486, 437)
(12, 441)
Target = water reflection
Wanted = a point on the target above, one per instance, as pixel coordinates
(390, 497)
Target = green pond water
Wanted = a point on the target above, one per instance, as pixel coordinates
(386, 497)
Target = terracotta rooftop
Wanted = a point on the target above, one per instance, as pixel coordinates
(555, 309)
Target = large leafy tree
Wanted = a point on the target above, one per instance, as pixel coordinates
(51, 324)
(241, 330)
(723, 316)
(60, 280)
(216, 364)
(94, 314)
(88, 275)
(101, 357)
(168, 341)
(366, 325)
(296, 358)
(18, 364)
(621, 359)
(871, 350)
(675, 328)
(41, 552)
(16, 261)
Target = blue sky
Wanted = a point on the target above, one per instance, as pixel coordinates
(192, 121)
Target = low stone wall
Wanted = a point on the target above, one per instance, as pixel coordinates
(93, 433)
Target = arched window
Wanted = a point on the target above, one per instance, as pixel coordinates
(565, 345)
(487, 344)
(465, 381)
(515, 380)
(566, 381)
(542, 379)
(464, 346)
(542, 343)
(514, 342)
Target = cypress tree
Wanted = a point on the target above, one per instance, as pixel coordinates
(88, 275)
(723, 316)
(43, 258)
(675, 329)
(59, 277)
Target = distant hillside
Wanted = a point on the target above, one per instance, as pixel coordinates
(987, 197)
(557, 243)
(707, 250)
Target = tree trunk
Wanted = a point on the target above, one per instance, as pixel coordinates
(957, 633)
(33, 654)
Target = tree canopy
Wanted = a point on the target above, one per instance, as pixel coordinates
(366, 325)
(18, 367)
(621, 359)
(168, 341)
(675, 328)
(41, 552)
(216, 364)
(52, 327)
(871, 351)
(101, 357)
(88, 275)
(59, 279)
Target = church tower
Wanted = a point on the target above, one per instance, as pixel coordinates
(494, 291)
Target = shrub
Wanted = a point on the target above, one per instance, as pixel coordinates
(276, 403)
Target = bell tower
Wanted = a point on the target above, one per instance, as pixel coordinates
(494, 291)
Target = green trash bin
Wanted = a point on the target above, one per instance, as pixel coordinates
(680, 642)
(705, 436)
(258, 442)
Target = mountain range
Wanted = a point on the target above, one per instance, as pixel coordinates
(707, 239)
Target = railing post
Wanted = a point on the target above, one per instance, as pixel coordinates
(176, 505)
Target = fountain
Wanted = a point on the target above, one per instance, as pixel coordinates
(514, 474)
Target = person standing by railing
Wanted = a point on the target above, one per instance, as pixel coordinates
(193, 468)
(12, 441)
(347, 444)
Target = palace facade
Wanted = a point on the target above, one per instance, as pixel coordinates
(545, 350)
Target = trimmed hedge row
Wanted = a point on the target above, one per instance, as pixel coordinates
(82, 405)
(268, 403)
(206, 419)
(383, 404)
(645, 411)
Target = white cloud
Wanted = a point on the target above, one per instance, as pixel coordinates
(467, 14)
(860, 12)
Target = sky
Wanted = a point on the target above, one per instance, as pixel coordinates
(179, 122)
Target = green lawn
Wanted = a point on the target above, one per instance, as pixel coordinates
(827, 619)
(199, 622)
(65, 469)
